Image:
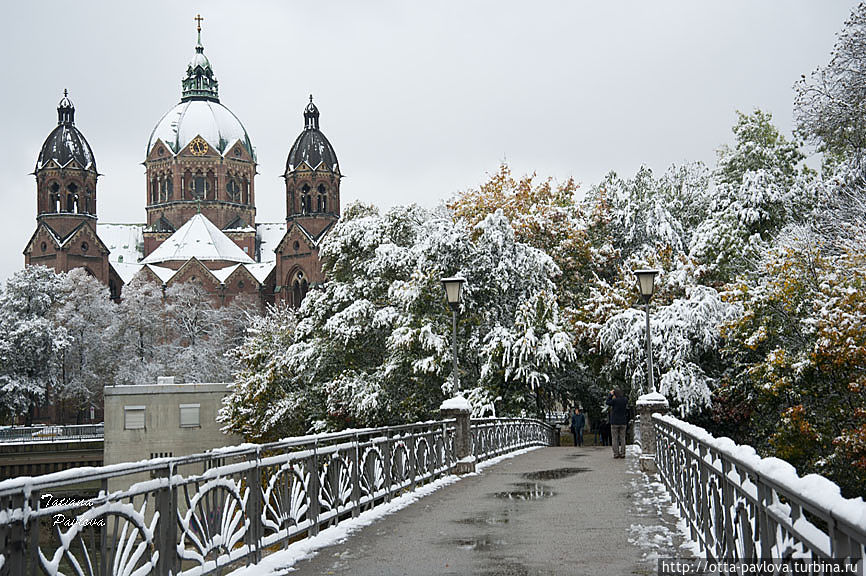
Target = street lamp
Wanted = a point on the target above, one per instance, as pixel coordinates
(646, 284)
(454, 292)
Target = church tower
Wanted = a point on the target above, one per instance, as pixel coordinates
(312, 207)
(200, 160)
(66, 178)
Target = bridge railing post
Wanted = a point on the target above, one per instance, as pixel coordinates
(462, 439)
(254, 507)
(647, 405)
(166, 526)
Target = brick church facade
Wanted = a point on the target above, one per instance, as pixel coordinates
(199, 203)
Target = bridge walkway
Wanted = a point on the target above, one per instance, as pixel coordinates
(552, 511)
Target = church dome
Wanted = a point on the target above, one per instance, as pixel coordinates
(200, 112)
(311, 146)
(66, 143)
(206, 118)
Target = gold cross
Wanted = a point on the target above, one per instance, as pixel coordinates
(198, 20)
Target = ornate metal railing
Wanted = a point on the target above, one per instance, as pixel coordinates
(204, 513)
(743, 507)
(42, 433)
(496, 436)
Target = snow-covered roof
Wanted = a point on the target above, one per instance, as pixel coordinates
(268, 236)
(260, 271)
(162, 273)
(125, 242)
(126, 271)
(223, 273)
(198, 238)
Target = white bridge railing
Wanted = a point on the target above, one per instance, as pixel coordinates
(739, 506)
(204, 513)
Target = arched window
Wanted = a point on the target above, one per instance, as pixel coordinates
(298, 288)
(198, 186)
(305, 199)
(233, 190)
(246, 191)
(322, 200)
(154, 190)
(54, 197)
(165, 188)
(210, 186)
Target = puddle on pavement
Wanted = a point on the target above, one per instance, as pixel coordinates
(479, 543)
(483, 520)
(526, 491)
(555, 474)
(505, 568)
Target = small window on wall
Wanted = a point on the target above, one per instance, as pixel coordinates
(133, 417)
(189, 416)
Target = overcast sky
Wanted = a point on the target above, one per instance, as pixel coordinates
(420, 100)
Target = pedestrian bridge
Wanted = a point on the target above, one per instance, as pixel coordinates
(541, 509)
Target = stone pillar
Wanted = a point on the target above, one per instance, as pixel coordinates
(459, 408)
(647, 405)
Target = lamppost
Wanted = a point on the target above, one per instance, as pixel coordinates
(646, 284)
(454, 292)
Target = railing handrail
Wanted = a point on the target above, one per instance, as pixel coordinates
(736, 465)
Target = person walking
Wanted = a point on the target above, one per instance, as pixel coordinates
(618, 421)
(578, 423)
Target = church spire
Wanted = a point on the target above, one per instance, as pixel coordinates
(200, 82)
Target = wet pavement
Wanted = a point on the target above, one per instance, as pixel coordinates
(552, 511)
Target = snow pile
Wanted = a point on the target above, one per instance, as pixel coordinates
(457, 403)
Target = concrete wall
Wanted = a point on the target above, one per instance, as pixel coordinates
(162, 435)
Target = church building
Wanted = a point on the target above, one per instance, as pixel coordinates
(199, 202)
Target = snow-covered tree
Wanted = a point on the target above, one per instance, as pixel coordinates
(30, 339)
(249, 409)
(89, 362)
(795, 386)
(139, 330)
(200, 333)
(759, 189)
(373, 345)
(830, 104)
(685, 341)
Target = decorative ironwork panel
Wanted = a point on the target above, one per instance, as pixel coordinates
(737, 509)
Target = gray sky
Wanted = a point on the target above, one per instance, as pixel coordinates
(419, 100)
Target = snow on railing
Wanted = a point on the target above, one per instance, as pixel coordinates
(48, 433)
(740, 506)
(203, 513)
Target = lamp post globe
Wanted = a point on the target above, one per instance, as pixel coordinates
(453, 290)
(646, 286)
(646, 282)
(454, 293)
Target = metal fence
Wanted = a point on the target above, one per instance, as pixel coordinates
(205, 513)
(742, 507)
(43, 433)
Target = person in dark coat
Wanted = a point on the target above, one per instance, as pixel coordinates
(618, 421)
(578, 423)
